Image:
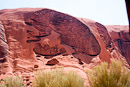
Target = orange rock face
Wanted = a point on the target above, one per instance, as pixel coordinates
(121, 38)
(46, 21)
(36, 38)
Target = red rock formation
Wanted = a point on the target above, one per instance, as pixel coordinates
(29, 38)
(52, 62)
(101, 33)
(4, 52)
(67, 26)
(3, 45)
(121, 38)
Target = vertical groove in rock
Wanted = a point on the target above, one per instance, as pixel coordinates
(104, 35)
(3, 43)
(121, 39)
(3, 50)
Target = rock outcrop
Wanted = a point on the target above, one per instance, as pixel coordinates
(121, 38)
(52, 62)
(3, 45)
(4, 52)
(37, 38)
(46, 21)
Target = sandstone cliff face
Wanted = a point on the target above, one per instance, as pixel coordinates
(47, 21)
(121, 38)
(4, 52)
(3, 44)
(40, 39)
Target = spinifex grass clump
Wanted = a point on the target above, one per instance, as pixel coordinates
(116, 75)
(57, 78)
(12, 81)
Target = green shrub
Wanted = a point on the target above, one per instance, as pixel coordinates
(57, 78)
(116, 75)
(12, 81)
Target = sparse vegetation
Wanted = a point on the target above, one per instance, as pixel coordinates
(12, 81)
(57, 78)
(116, 75)
(103, 75)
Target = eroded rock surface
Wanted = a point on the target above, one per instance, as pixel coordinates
(121, 38)
(102, 30)
(82, 40)
(33, 38)
(52, 62)
(3, 44)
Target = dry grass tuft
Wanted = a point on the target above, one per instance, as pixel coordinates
(12, 81)
(116, 75)
(57, 78)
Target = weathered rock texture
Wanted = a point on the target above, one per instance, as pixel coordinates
(46, 21)
(32, 39)
(121, 38)
(3, 44)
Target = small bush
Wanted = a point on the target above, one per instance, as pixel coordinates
(116, 75)
(12, 81)
(57, 78)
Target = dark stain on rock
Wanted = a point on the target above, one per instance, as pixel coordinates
(46, 50)
(52, 62)
(72, 32)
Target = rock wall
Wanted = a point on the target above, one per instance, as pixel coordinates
(4, 52)
(39, 39)
(72, 32)
(121, 38)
